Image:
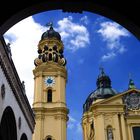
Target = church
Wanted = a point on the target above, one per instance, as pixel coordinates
(107, 114)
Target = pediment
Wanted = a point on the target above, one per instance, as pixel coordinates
(127, 102)
(120, 97)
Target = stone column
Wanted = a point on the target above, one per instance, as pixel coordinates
(100, 129)
(116, 132)
(123, 126)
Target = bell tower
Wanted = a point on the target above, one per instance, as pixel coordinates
(50, 76)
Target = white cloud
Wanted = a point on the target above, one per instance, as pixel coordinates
(85, 20)
(108, 56)
(122, 50)
(112, 33)
(79, 128)
(75, 36)
(73, 124)
(81, 61)
(24, 37)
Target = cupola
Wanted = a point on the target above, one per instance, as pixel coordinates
(103, 91)
(50, 48)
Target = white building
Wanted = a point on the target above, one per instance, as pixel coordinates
(16, 116)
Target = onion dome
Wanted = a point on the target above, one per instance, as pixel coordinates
(51, 33)
(103, 91)
(50, 48)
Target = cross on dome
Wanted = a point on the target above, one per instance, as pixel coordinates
(50, 24)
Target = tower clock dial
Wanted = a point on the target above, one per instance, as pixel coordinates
(49, 81)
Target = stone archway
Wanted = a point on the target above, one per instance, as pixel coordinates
(8, 129)
(114, 11)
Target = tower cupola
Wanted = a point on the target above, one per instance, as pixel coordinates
(50, 78)
(51, 33)
(50, 48)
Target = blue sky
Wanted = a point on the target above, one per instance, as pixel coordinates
(90, 41)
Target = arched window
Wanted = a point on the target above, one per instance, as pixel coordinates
(50, 57)
(49, 137)
(109, 133)
(49, 96)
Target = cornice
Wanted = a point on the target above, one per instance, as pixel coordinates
(50, 68)
(40, 110)
(107, 107)
(50, 41)
(57, 113)
(13, 79)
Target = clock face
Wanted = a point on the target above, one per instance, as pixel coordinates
(49, 81)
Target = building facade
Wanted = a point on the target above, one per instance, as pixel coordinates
(109, 115)
(16, 116)
(50, 77)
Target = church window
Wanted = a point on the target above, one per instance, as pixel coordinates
(109, 133)
(48, 138)
(49, 97)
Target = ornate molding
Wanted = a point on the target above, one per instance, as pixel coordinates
(52, 69)
(12, 77)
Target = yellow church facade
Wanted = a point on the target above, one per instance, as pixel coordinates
(109, 115)
(50, 77)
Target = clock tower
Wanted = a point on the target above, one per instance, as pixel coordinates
(50, 78)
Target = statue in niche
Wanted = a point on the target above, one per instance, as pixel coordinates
(23, 85)
(109, 133)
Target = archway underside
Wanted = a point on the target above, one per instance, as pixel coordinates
(8, 130)
(121, 13)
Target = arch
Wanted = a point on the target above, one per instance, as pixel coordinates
(23, 137)
(50, 57)
(8, 129)
(49, 137)
(109, 10)
(49, 95)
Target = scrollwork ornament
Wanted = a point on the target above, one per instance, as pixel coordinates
(132, 101)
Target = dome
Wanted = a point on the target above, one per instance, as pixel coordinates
(50, 48)
(51, 34)
(103, 91)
